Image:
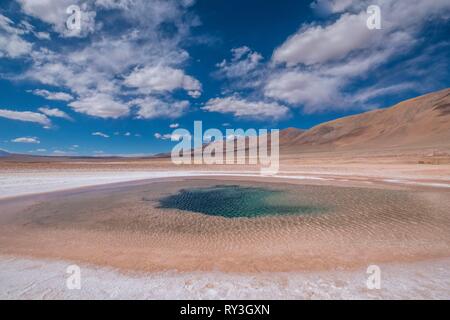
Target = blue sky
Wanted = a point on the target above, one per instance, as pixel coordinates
(137, 69)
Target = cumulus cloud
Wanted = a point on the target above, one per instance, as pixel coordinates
(243, 61)
(12, 45)
(242, 108)
(100, 105)
(27, 116)
(151, 108)
(244, 70)
(310, 89)
(59, 96)
(162, 79)
(42, 35)
(142, 62)
(33, 140)
(174, 125)
(54, 112)
(54, 12)
(316, 66)
(317, 44)
(100, 134)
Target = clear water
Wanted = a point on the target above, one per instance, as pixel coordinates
(234, 201)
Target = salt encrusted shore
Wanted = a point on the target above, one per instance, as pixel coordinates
(41, 279)
(18, 183)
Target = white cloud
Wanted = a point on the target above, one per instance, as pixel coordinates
(33, 140)
(312, 90)
(100, 105)
(43, 35)
(242, 108)
(54, 13)
(406, 11)
(151, 108)
(376, 91)
(170, 136)
(315, 67)
(194, 93)
(54, 69)
(162, 79)
(54, 112)
(7, 25)
(243, 61)
(59, 96)
(317, 44)
(100, 134)
(244, 70)
(27, 116)
(104, 87)
(162, 136)
(12, 45)
(29, 28)
(319, 88)
(174, 125)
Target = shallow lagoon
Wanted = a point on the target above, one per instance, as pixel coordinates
(235, 201)
(291, 227)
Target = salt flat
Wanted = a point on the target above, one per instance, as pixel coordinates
(43, 279)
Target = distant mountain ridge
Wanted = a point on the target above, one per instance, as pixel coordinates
(3, 153)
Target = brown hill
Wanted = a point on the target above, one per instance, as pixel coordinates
(422, 122)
